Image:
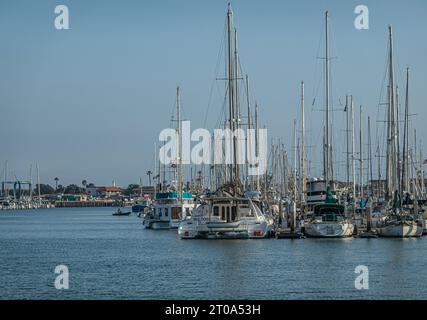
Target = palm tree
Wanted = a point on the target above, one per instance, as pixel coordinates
(84, 183)
(56, 183)
(149, 173)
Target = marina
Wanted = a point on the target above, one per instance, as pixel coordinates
(270, 184)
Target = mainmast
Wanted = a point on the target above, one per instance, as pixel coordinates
(328, 153)
(303, 157)
(361, 152)
(249, 143)
(390, 163)
(236, 109)
(230, 87)
(256, 146)
(370, 177)
(353, 160)
(405, 184)
(179, 134)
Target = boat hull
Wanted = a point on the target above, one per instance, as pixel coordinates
(329, 230)
(401, 230)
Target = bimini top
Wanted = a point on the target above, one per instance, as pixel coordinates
(173, 195)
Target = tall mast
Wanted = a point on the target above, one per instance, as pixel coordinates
(361, 152)
(353, 160)
(38, 183)
(256, 145)
(237, 106)
(230, 87)
(398, 160)
(295, 161)
(347, 141)
(5, 179)
(405, 184)
(249, 144)
(370, 176)
(327, 96)
(179, 162)
(303, 157)
(390, 163)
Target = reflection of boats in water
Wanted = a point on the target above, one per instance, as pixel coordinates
(119, 212)
(168, 210)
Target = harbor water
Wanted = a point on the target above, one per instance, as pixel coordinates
(114, 258)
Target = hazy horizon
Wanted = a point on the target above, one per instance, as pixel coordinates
(89, 103)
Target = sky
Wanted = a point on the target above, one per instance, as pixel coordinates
(89, 103)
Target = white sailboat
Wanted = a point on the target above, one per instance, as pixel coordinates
(328, 219)
(172, 205)
(398, 222)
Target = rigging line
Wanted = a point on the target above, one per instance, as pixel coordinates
(316, 66)
(216, 72)
(379, 136)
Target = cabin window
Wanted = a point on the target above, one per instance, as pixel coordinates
(166, 212)
(233, 213)
(216, 211)
(160, 212)
(176, 211)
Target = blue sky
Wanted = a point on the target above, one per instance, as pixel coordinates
(89, 102)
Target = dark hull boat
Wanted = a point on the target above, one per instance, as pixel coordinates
(120, 213)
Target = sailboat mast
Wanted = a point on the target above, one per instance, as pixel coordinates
(237, 107)
(303, 157)
(249, 143)
(390, 170)
(38, 183)
(361, 152)
(295, 162)
(327, 96)
(370, 176)
(347, 141)
(179, 162)
(405, 184)
(256, 146)
(230, 86)
(353, 160)
(398, 160)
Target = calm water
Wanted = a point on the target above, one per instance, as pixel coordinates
(114, 258)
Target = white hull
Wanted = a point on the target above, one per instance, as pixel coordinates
(329, 230)
(401, 229)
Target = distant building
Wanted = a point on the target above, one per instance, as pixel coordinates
(146, 192)
(104, 192)
(74, 197)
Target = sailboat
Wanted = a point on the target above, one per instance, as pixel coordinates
(328, 219)
(399, 221)
(227, 213)
(172, 205)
